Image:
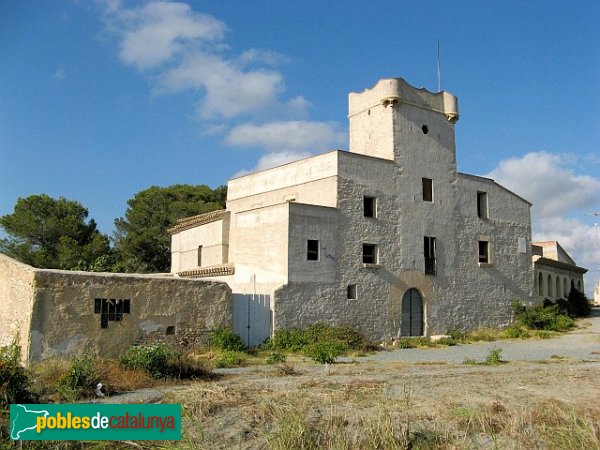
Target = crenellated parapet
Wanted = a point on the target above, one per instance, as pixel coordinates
(390, 92)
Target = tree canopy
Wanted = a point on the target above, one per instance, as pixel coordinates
(142, 242)
(53, 233)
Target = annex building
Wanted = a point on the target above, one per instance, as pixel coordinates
(388, 236)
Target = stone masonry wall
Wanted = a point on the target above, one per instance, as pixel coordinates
(104, 314)
(16, 300)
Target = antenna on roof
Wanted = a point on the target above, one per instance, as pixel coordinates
(439, 73)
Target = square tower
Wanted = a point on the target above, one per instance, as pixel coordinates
(397, 121)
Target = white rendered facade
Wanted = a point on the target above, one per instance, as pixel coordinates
(388, 237)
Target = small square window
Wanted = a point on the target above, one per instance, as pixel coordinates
(427, 190)
(351, 292)
(482, 205)
(369, 255)
(312, 250)
(484, 252)
(370, 207)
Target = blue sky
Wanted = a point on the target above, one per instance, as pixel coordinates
(99, 100)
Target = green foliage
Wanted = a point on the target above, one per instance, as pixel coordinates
(319, 342)
(456, 334)
(446, 341)
(156, 359)
(516, 331)
(14, 378)
(225, 339)
(323, 352)
(541, 317)
(577, 304)
(52, 233)
(346, 338)
(493, 358)
(231, 358)
(142, 242)
(405, 343)
(275, 358)
(80, 380)
(288, 339)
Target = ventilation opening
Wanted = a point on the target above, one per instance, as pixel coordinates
(170, 331)
(425, 129)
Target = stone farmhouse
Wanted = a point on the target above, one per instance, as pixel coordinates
(388, 236)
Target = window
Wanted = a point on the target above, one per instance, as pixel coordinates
(429, 253)
(482, 205)
(199, 256)
(369, 255)
(484, 252)
(351, 292)
(370, 207)
(312, 250)
(427, 190)
(111, 309)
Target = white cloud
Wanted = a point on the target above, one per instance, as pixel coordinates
(182, 49)
(548, 181)
(290, 136)
(156, 32)
(229, 90)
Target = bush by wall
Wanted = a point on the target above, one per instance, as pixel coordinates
(225, 339)
(154, 359)
(541, 317)
(14, 378)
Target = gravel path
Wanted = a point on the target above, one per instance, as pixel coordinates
(581, 344)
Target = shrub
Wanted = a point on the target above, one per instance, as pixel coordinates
(231, 358)
(323, 352)
(405, 343)
(225, 339)
(578, 305)
(156, 359)
(347, 338)
(493, 358)
(290, 339)
(79, 380)
(516, 331)
(541, 317)
(295, 340)
(445, 341)
(456, 334)
(14, 378)
(276, 358)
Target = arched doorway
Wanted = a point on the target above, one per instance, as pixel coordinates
(412, 314)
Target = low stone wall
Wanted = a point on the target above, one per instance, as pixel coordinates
(16, 301)
(59, 313)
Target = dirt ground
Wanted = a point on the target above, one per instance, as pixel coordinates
(553, 403)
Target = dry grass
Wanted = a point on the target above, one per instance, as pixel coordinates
(397, 406)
